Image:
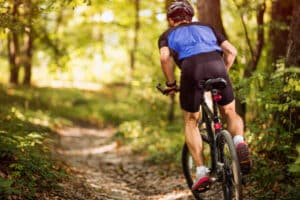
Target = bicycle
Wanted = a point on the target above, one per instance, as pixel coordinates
(219, 151)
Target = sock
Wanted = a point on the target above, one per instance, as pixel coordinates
(201, 171)
(238, 139)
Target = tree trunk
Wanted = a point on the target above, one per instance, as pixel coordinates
(281, 15)
(256, 53)
(293, 60)
(28, 44)
(14, 48)
(135, 38)
(28, 57)
(13, 56)
(293, 50)
(209, 12)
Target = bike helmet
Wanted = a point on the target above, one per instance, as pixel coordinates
(180, 10)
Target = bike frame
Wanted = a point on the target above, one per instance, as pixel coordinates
(209, 117)
(216, 138)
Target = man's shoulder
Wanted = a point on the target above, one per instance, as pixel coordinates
(218, 34)
(201, 24)
(163, 39)
(166, 32)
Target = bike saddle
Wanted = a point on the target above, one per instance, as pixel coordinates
(216, 83)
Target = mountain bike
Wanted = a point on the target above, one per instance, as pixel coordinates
(218, 149)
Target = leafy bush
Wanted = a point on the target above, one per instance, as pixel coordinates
(274, 129)
(26, 165)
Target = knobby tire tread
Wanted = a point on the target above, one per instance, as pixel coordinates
(235, 162)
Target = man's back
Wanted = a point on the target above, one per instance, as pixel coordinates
(192, 39)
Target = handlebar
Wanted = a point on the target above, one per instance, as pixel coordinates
(165, 91)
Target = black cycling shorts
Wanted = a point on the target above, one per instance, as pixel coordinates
(195, 70)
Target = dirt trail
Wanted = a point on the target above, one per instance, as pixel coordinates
(106, 170)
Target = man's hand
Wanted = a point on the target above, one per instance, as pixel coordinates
(171, 88)
(168, 90)
(230, 53)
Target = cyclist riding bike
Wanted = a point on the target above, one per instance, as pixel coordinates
(201, 53)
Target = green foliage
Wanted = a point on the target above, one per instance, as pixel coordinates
(26, 165)
(274, 129)
(6, 187)
(295, 167)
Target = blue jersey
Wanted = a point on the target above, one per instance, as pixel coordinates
(191, 39)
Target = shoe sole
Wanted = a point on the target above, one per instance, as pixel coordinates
(203, 184)
(244, 159)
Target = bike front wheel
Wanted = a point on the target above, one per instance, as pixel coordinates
(232, 178)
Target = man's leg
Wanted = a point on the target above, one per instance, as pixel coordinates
(235, 123)
(194, 142)
(192, 136)
(235, 126)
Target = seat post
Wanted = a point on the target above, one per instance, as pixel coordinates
(215, 106)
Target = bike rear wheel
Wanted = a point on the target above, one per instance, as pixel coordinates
(232, 178)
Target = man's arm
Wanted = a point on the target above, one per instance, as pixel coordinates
(230, 53)
(167, 64)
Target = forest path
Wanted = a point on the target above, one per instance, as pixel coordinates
(103, 169)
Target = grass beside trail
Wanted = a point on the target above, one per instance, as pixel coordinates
(28, 117)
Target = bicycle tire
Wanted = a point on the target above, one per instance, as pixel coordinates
(186, 166)
(232, 178)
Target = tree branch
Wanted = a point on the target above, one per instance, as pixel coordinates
(260, 40)
(245, 29)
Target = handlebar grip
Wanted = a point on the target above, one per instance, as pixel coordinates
(164, 91)
(159, 87)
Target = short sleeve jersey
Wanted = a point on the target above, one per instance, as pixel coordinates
(191, 39)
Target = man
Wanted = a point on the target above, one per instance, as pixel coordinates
(201, 53)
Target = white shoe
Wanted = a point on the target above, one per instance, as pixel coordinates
(202, 181)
